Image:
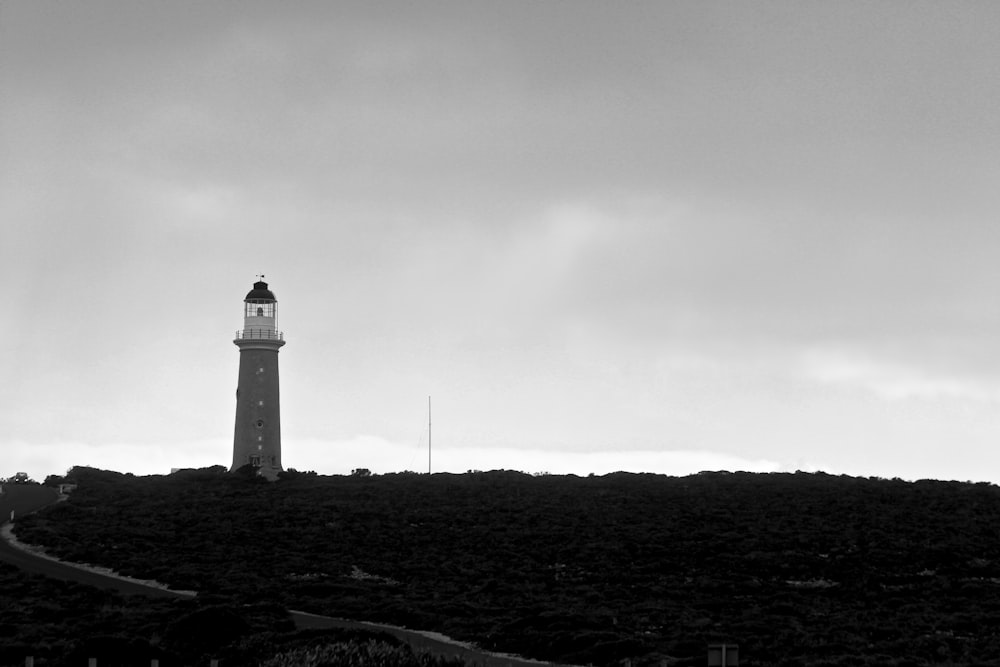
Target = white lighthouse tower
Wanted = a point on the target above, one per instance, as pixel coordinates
(257, 438)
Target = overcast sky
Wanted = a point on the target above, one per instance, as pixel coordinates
(650, 236)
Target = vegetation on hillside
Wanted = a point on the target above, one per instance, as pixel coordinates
(64, 624)
(795, 568)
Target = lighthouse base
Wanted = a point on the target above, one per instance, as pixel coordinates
(270, 473)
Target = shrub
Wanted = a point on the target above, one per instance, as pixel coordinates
(370, 653)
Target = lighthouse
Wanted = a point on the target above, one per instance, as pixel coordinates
(257, 438)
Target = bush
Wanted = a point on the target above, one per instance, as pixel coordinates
(370, 653)
(206, 631)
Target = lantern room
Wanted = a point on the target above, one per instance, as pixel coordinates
(260, 313)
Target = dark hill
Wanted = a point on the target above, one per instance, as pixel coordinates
(795, 568)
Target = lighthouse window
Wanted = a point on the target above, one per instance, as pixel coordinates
(259, 310)
(260, 423)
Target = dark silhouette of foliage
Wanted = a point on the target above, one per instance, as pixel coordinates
(358, 654)
(53, 480)
(795, 568)
(208, 630)
(63, 624)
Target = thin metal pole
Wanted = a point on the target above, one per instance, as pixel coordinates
(428, 435)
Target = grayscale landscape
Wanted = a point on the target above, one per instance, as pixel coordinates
(608, 333)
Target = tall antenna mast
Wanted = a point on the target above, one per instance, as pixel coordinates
(428, 435)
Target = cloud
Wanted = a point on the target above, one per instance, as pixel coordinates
(894, 380)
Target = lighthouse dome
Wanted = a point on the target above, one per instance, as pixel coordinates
(260, 293)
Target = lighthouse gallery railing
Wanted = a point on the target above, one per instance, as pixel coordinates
(259, 334)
